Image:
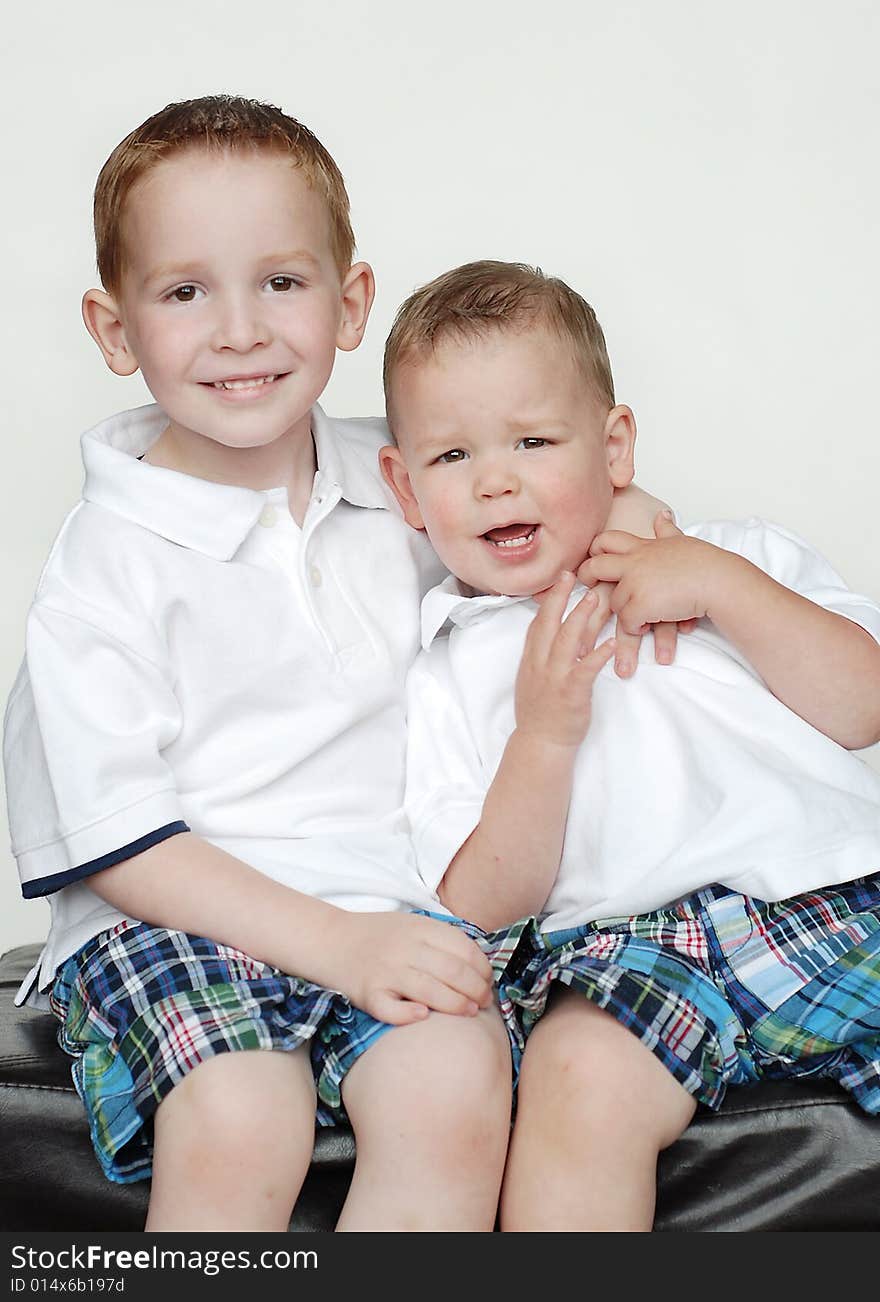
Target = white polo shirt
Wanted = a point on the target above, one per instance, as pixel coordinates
(690, 774)
(194, 660)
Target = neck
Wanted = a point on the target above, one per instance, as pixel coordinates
(288, 462)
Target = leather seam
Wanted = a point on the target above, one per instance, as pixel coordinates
(23, 1085)
(784, 1107)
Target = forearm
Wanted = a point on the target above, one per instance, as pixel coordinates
(819, 664)
(187, 884)
(507, 867)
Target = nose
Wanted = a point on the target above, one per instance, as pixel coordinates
(240, 325)
(495, 477)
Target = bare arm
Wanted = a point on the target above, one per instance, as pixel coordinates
(818, 663)
(395, 965)
(507, 867)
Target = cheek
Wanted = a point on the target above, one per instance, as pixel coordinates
(313, 324)
(163, 351)
(442, 513)
(581, 512)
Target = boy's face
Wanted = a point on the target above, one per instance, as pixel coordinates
(506, 457)
(231, 303)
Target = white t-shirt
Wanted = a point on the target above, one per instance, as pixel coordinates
(690, 774)
(194, 660)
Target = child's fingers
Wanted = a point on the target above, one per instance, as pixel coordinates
(665, 526)
(591, 664)
(578, 630)
(665, 642)
(388, 1007)
(545, 625)
(606, 567)
(451, 940)
(426, 988)
(627, 657)
(462, 974)
(614, 540)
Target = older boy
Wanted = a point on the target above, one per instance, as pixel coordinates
(206, 738)
(671, 852)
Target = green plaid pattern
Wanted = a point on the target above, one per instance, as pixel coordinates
(728, 990)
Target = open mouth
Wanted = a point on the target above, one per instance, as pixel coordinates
(244, 384)
(512, 538)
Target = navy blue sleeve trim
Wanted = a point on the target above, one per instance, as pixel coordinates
(48, 885)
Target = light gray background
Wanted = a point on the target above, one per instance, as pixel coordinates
(701, 171)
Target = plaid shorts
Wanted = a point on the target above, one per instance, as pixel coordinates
(140, 1006)
(729, 990)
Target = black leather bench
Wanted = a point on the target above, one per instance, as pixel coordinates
(777, 1157)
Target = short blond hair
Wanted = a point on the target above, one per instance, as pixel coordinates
(221, 122)
(473, 299)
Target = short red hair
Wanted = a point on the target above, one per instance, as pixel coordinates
(212, 122)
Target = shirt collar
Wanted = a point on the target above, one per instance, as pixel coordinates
(451, 602)
(346, 463)
(211, 518)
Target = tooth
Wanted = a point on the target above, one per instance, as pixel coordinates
(516, 542)
(244, 384)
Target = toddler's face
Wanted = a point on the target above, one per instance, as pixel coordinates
(506, 457)
(231, 298)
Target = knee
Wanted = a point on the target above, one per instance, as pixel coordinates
(462, 1104)
(465, 1065)
(240, 1103)
(585, 1072)
(452, 1068)
(581, 1050)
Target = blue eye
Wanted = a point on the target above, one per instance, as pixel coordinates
(452, 456)
(281, 284)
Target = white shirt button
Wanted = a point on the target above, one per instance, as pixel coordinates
(315, 576)
(268, 516)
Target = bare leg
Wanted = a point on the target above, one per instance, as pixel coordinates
(594, 1109)
(430, 1107)
(233, 1143)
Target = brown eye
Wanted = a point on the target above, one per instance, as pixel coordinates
(184, 293)
(281, 284)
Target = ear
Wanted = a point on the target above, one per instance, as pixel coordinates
(620, 438)
(397, 478)
(104, 323)
(358, 291)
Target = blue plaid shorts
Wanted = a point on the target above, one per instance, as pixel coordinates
(140, 1006)
(728, 990)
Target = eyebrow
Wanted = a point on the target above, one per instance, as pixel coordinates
(292, 255)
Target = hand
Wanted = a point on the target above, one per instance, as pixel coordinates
(662, 580)
(666, 633)
(559, 665)
(399, 966)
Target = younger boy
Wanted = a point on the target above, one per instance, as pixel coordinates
(699, 861)
(207, 736)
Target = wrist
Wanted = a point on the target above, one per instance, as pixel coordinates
(330, 939)
(730, 587)
(544, 746)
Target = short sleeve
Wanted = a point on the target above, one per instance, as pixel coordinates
(87, 722)
(445, 780)
(795, 563)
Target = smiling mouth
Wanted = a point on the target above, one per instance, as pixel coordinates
(512, 537)
(244, 384)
